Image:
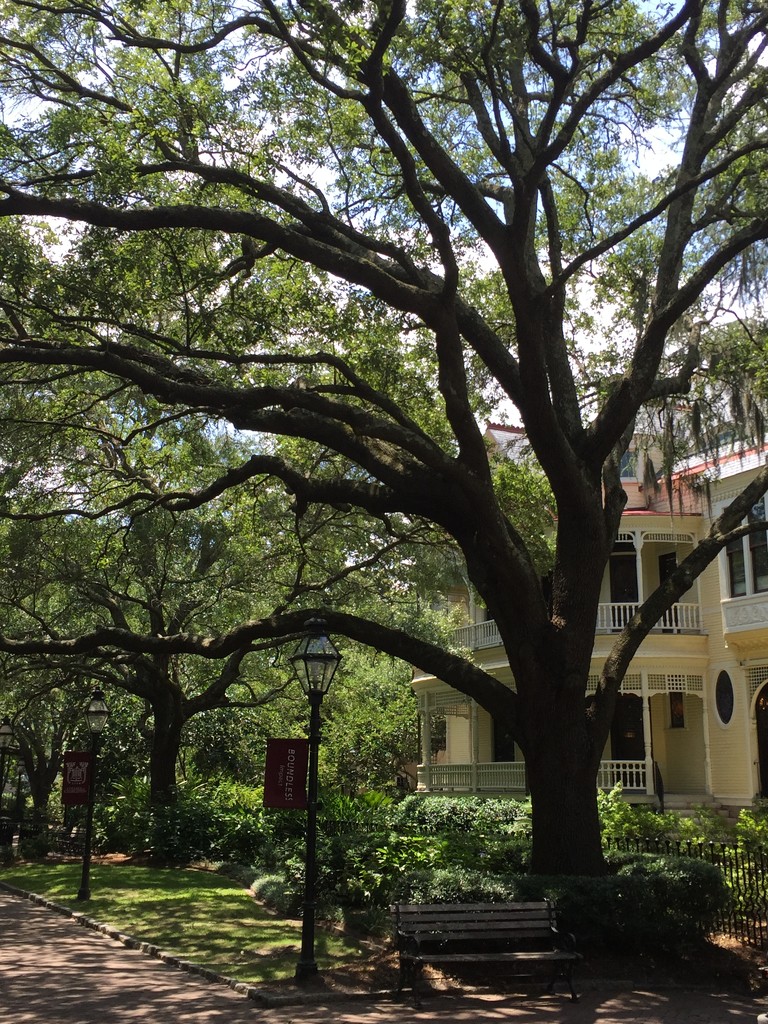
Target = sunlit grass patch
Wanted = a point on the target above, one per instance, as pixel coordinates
(197, 915)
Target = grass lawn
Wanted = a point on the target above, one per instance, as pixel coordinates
(196, 915)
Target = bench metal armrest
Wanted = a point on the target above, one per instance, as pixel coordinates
(408, 942)
(565, 941)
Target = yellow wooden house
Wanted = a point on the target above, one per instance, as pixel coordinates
(691, 724)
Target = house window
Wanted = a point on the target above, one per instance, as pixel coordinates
(747, 558)
(503, 744)
(438, 737)
(737, 570)
(724, 697)
(758, 549)
(676, 709)
(622, 573)
(628, 468)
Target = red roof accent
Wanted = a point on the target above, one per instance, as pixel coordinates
(708, 462)
(504, 426)
(653, 512)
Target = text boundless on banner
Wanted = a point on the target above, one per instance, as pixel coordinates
(285, 773)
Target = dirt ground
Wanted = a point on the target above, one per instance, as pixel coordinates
(724, 964)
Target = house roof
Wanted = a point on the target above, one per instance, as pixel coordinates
(651, 512)
(724, 466)
(508, 439)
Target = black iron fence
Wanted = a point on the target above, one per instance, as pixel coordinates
(744, 870)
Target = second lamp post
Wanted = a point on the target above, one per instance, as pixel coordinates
(6, 738)
(315, 660)
(96, 714)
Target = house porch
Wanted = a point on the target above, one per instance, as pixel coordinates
(658, 749)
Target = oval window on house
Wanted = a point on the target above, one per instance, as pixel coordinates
(724, 697)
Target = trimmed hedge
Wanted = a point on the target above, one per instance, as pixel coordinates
(654, 903)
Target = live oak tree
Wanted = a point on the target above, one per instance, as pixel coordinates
(45, 707)
(362, 226)
(156, 573)
(64, 577)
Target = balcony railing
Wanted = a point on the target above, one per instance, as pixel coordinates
(498, 776)
(680, 618)
(481, 634)
(611, 618)
(509, 777)
(631, 775)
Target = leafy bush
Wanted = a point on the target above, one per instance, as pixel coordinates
(752, 825)
(438, 814)
(703, 825)
(490, 832)
(681, 897)
(455, 885)
(35, 846)
(654, 903)
(276, 893)
(371, 867)
(624, 822)
(125, 824)
(620, 820)
(207, 822)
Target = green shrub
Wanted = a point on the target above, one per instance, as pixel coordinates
(624, 822)
(276, 893)
(371, 867)
(221, 821)
(620, 820)
(455, 885)
(704, 825)
(448, 814)
(124, 823)
(654, 903)
(752, 825)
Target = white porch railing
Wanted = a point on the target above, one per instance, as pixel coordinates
(631, 775)
(681, 618)
(611, 618)
(509, 776)
(477, 636)
(498, 776)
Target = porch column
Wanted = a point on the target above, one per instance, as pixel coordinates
(650, 781)
(471, 608)
(707, 754)
(638, 542)
(473, 745)
(426, 741)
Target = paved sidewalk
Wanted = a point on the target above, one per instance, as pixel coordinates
(54, 971)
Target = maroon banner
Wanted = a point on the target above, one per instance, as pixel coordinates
(285, 774)
(77, 776)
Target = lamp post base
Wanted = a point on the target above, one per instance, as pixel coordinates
(305, 971)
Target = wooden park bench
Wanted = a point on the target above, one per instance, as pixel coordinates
(68, 842)
(519, 935)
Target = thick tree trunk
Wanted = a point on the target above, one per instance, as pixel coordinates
(562, 744)
(566, 826)
(166, 742)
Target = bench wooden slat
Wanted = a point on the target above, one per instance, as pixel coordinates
(505, 922)
(541, 905)
(562, 956)
(530, 928)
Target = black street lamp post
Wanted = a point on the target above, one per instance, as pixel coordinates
(6, 738)
(315, 660)
(97, 714)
